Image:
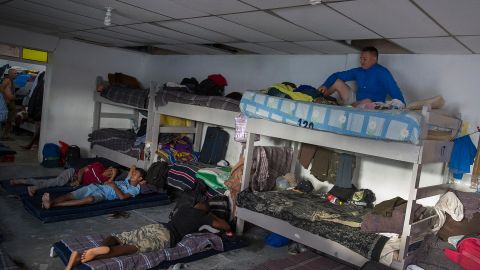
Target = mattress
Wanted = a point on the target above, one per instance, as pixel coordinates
(34, 206)
(216, 102)
(392, 125)
(21, 190)
(312, 212)
(122, 141)
(228, 244)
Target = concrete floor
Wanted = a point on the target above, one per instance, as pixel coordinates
(28, 241)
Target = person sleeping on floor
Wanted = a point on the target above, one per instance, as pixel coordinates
(94, 193)
(94, 173)
(188, 219)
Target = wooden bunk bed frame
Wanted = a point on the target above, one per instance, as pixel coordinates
(198, 114)
(428, 151)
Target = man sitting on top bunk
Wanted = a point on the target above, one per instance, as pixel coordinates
(374, 82)
(90, 174)
(93, 193)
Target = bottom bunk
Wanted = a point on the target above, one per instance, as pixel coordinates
(310, 219)
(118, 157)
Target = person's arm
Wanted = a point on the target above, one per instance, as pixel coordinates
(120, 194)
(219, 223)
(5, 89)
(347, 75)
(114, 174)
(391, 85)
(130, 172)
(78, 177)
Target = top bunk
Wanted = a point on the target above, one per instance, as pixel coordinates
(129, 101)
(393, 134)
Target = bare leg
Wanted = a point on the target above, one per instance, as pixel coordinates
(64, 200)
(104, 252)
(18, 182)
(74, 260)
(342, 88)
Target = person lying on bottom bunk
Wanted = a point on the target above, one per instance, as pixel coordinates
(188, 219)
(90, 174)
(93, 193)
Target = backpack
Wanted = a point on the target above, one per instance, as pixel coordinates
(72, 155)
(467, 254)
(190, 198)
(157, 175)
(51, 155)
(215, 145)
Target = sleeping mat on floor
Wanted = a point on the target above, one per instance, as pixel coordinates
(34, 206)
(21, 190)
(5, 150)
(64, 252)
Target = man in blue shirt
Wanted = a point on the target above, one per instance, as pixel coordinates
(374, 82)
(93, 193)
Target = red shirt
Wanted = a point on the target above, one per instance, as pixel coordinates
(93, 174)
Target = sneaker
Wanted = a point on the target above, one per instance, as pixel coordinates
(293, 248)
(301, 248)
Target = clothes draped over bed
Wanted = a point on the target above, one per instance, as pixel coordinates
(313, 213)
(190, 244)
(269, 162)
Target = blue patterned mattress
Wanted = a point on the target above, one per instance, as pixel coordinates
(393, 125)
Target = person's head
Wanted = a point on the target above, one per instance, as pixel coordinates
(110, 171)
(12, 73)
(368, 57)
(137, 176)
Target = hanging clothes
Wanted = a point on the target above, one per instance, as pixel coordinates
(463, 155)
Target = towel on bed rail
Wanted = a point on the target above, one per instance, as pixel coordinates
(190, 244)
(217, 102)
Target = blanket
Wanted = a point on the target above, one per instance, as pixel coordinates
(217, 102)
(134, 97)
(118, 140)
(313, 213)
(190, 244)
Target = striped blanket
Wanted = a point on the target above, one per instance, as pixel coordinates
(217, 102)
(134, 97)
(190, 244)
(118, 140)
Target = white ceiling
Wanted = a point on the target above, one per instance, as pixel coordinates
(256, 26)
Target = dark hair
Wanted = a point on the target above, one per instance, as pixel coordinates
(141, 171)
(371, 50)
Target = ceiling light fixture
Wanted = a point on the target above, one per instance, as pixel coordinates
(108, 17)
(315, 2)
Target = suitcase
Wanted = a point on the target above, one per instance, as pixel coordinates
(215, 145)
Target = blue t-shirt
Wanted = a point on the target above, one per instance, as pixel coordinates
(124, 186)
(373, 83)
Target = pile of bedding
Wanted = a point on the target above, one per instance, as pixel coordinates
(217, 102)
(122, 141)
(314, 213)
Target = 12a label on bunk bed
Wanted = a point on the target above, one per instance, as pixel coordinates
(305, 123)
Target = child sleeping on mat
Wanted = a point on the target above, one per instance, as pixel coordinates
(93, 193)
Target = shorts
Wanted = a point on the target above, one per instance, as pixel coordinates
(87, 191)
(146, 238)
(351, 98)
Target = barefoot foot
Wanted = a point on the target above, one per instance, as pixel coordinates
(74, 260)
(90, 254)
(31, 190)
(46, 201)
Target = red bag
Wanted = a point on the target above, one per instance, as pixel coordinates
(63, 151)
(467, 254)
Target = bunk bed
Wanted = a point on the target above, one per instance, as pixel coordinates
(414, 149)
(218, 111)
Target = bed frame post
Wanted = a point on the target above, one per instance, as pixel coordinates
(296, 148)
(197, 143)
(97, 109)
(247, 166)
(151, 131)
